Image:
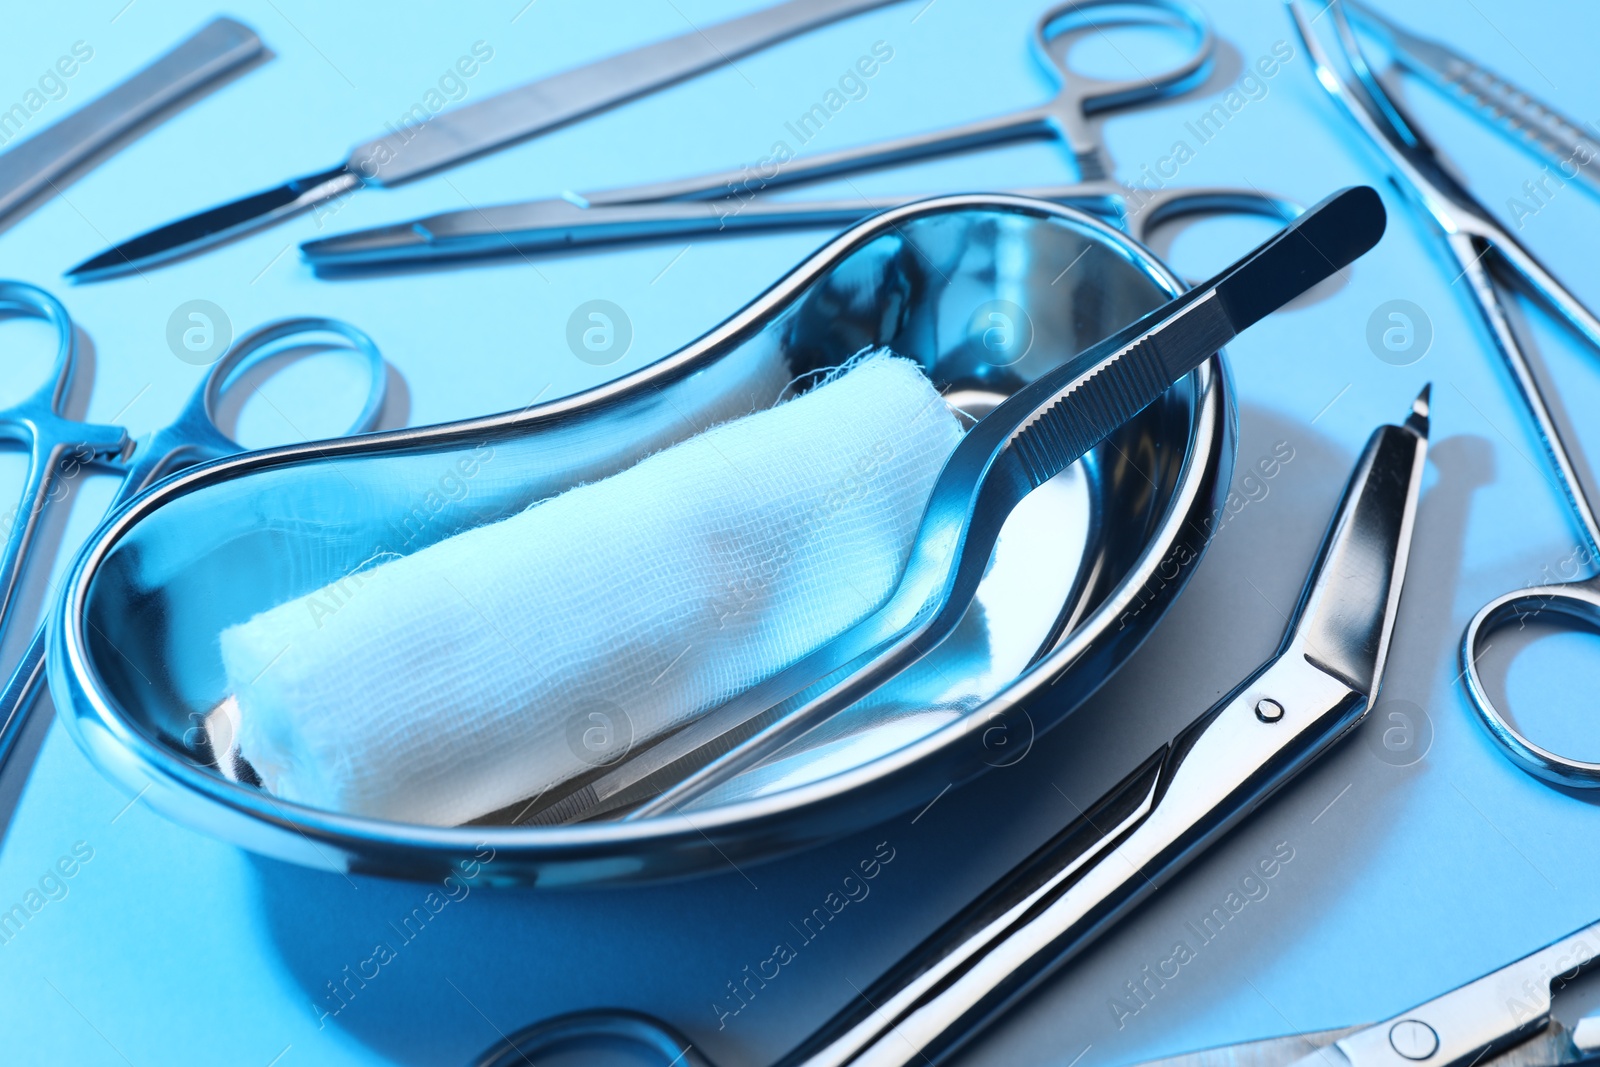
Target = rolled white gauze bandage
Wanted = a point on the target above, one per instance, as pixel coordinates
(481, 670)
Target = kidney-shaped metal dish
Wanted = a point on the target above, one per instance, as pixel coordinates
(984, 291)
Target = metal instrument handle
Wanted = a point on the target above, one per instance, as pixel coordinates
(1056, 901)
(221, 46)
(1496, 100)
(1576, 604)
(1066, 115)
(745, 182)
(467, 131)
(1023, 443)
(1494, 1012)
(1472, 252)
(55, 443)
(1083, 96)
(193, 438)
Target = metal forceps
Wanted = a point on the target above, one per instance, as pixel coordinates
(194, 437)
(1481, 247)
(736, 200)
(57, 445)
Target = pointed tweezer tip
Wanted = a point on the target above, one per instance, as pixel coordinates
(1418, 419)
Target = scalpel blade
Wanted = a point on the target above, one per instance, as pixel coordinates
(450, 137)
(216, 225)
(1268, 1052)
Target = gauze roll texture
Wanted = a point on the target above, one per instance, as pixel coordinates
(481, 670)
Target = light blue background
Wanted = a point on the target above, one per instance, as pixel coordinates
(173, 948)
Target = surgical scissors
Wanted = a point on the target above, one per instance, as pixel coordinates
(737, 200)
(966, 974)
(1480, 246)
(194, 437)
(1502, 1019)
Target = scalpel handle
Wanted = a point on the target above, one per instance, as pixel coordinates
(442, 140)
(219, 47)
(1056, 901)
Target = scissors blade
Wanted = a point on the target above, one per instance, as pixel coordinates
(434, 142)
(1267, 1052)
(1525, 982)
(1505, 106)
(1554, 1046)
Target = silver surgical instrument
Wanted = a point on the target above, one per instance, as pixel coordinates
(736, 201)
(1191, 791)
(1024, 442)
(192, 438)
(217, 49)
(426, 144)
(1500, 1020)
(1572, 148)
(1480, 247)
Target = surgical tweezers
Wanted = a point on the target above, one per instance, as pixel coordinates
(1136, 837)
(1030, 438)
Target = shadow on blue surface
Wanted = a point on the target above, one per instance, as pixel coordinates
(436, 973)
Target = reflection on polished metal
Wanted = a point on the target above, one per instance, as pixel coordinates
(134, 661)
(193, 437)
(1500, 1020)
(1180, 800)
(556, 225)
(1481, 248)
(57, 446)
(461, 133)
(1025, 442)
(736, 201)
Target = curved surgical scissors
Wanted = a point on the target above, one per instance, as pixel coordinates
(193, 437)
(1480, 246)
(737, 200)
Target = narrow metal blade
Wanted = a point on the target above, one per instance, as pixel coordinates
(554, 224)
(427, 142)
(1268, 1052)
(215, 225)
(1554, 1046)
(1348, 612)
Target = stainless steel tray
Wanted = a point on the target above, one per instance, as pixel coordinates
(1081, 577)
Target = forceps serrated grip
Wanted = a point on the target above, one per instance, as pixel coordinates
(1569, 146)
(1139, 834)
(1031, 437)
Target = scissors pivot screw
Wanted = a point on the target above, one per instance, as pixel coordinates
(1413, 1039)
(1268, 710)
